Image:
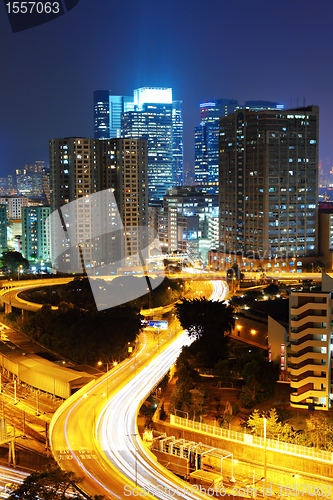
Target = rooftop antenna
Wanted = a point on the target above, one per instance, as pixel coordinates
(304, 101)
(291, 103)
(297, 102)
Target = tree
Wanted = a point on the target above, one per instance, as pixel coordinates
(12, 261)
(260, 376)
(201, 317)
(320, 431)
(273, 426)
(51, 484)
(318, 266)
(210, 323)
(271, 290)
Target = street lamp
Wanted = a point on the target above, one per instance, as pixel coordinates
(18, 272)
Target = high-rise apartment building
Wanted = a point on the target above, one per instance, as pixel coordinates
(150, 114)
(269, 194)
(14, 205)
(80, 167)
(124, 167)
(35, 233)
(206, 137)
(3, 228)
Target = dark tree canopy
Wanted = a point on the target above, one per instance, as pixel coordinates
(85, 336)
(204, 318)
(12, 261)
(51, 484)
(210, 323)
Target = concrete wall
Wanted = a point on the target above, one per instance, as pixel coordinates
(277, 463)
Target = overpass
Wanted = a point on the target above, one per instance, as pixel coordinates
(9, 294)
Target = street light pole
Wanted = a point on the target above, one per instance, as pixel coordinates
(264, 494)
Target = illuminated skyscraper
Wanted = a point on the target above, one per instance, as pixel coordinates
(269, 182)
(177, 143)
(158, 120)
(152, 115)
(206, 142)
(206, 137)
(107, 113)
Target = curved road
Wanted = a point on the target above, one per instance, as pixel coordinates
(10, 295)
(94, 433)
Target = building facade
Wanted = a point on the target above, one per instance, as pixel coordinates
(186, 222)
(14, 205)
(3, 228)
(325, 215)
(149, 114)
(206, 137)
(80, 167)
(268, 198)
(206, 142)
(107, 113)
(35, 233)
(310, 338)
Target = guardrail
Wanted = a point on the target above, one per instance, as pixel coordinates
(249, 439)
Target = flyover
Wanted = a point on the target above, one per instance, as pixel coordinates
(94, 433)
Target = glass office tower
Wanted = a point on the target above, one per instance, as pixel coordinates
(206, 142)
(150, 114)
(206, 137)
(157, 119)
(107, 113)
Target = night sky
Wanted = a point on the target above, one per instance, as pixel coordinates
(279, 50)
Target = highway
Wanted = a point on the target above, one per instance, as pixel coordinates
(8, 477)
(10, 295)
(94, 433)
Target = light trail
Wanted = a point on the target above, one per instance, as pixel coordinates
(98, 439)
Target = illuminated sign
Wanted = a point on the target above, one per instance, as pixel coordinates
(157, 325)
(207, 104)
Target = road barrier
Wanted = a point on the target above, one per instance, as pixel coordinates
(250, 439)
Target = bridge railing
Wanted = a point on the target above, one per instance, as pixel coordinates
(250, 439)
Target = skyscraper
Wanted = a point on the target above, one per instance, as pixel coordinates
(269, 193)
(177, 143)
(206, 137)
(80, 167)
(152, 115)
(206, 142)
(107, 113)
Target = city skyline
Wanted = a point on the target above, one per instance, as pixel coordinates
(279, 54)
